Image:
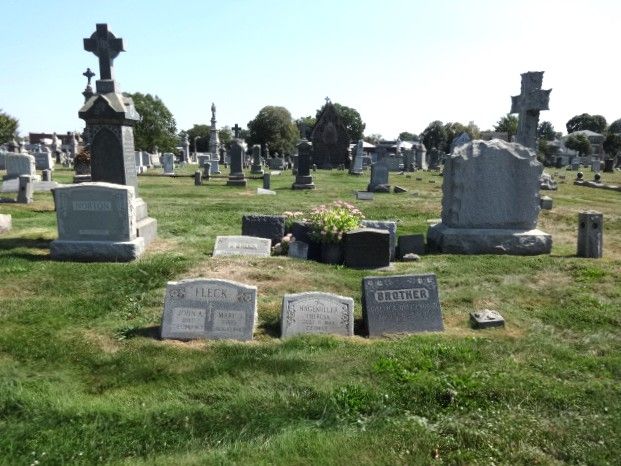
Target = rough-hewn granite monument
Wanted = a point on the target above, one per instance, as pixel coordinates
(528, 105)
(490, 201)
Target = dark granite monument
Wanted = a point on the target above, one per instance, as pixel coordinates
(264, 226)
(303, 178)
(401, 304)
(237, 177)
(330, 139)
(367, 248)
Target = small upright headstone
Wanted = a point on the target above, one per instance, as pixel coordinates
(298, 250)
(317, 313)
(547, 203)
(25, 189)
(5, 223)
(46, 175)
(168, 163)
(367, 248)
(303, 178)
(206, 170)
(267, 181)
(264, 226)
(411, 244)
(401, 304)
(209, 308)
(390, 226)
(356, 166)
(198, 178)
(19, 164)
(590, 234)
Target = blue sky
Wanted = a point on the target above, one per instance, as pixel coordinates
(401, 64)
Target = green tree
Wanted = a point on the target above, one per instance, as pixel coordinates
(435, 135)
(612, 145)
(615, 127)
(305, 125)
(407, 136)
(546, 151)
(473, 131)
(351, 119)
(199, 134)
(545, 131)
(373, 138)
(596, 123)
(579, 143)
(8, 127)
(275, 127)
(156, 127)
(507, 124)
(225, 135)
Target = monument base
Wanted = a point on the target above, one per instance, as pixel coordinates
(237, 181)
(146, 227)
(379, 188)
(81, 179)
(488, 241)
(97, 251)
(356, 173)
(310, 185)
(254, 170)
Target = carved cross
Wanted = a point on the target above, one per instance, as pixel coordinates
(88, 74)
(327, 100)
(106, 47)
(236, 129)
(528, 104)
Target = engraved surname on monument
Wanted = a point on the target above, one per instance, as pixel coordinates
(241, 245)
(186, 319)
(317, 313)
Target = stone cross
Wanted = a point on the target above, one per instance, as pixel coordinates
(88, 74)
(236, 129)
(327, 100)
(527, 105)
(106, 47)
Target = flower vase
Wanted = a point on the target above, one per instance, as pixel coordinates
(331, 253)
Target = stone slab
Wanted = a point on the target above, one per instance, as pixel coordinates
(401, 304)
(265, 192)
(242, 246)
(298, 250)
(410, 244)
(97, 251)
(389, 225)
(367, 248)
(365, 195)
(486, 319)
(12, 186)
(488, 241)
(209, 308)
(264, 226)
(317, 313)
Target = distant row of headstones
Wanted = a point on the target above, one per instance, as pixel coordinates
(221, 309)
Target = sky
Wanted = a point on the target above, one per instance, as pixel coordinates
(400, 64)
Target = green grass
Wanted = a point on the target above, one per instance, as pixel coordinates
(84, 379)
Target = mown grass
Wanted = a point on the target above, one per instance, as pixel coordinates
(84, 378)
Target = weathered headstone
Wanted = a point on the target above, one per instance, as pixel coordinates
(486, 319)
(590, 234)
(18, 165)
(97, 222)
(236, 177)
(168, 163)
(298, 250)
(301, 232)
(271, 227)
(25, 189)
(547, 203)
(356, 166)
(408, 244)
(267, 181)
(209, 308)
(401, 304)
(317, 313)
(198, 178)
(242, 246)
(379, 177)
(303, 178)
(528, 105)
(364, 195)
(330, 138)
(46, 175)
(490, 202)
(390, 226)
(256, 168)
(367, 248)
(44, 159)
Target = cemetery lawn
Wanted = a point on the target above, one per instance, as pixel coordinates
(84, 378)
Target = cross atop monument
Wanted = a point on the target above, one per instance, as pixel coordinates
(236, 129)
(528, 105)
(88, 74)
(327, 100)
(106, 47)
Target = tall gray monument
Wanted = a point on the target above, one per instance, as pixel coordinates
(303, 179)
(528, 104)
(214, 142)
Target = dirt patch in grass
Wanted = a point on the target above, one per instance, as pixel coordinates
(160, 245)
(105, 343)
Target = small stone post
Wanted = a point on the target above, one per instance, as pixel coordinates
(590, 234)
(206, 170)
(46, 175)
(198, 178)
(267, 180)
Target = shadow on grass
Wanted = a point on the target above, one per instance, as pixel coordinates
(28, 243)
(152, 332)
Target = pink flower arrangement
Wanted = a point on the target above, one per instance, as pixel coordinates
(330, 222)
